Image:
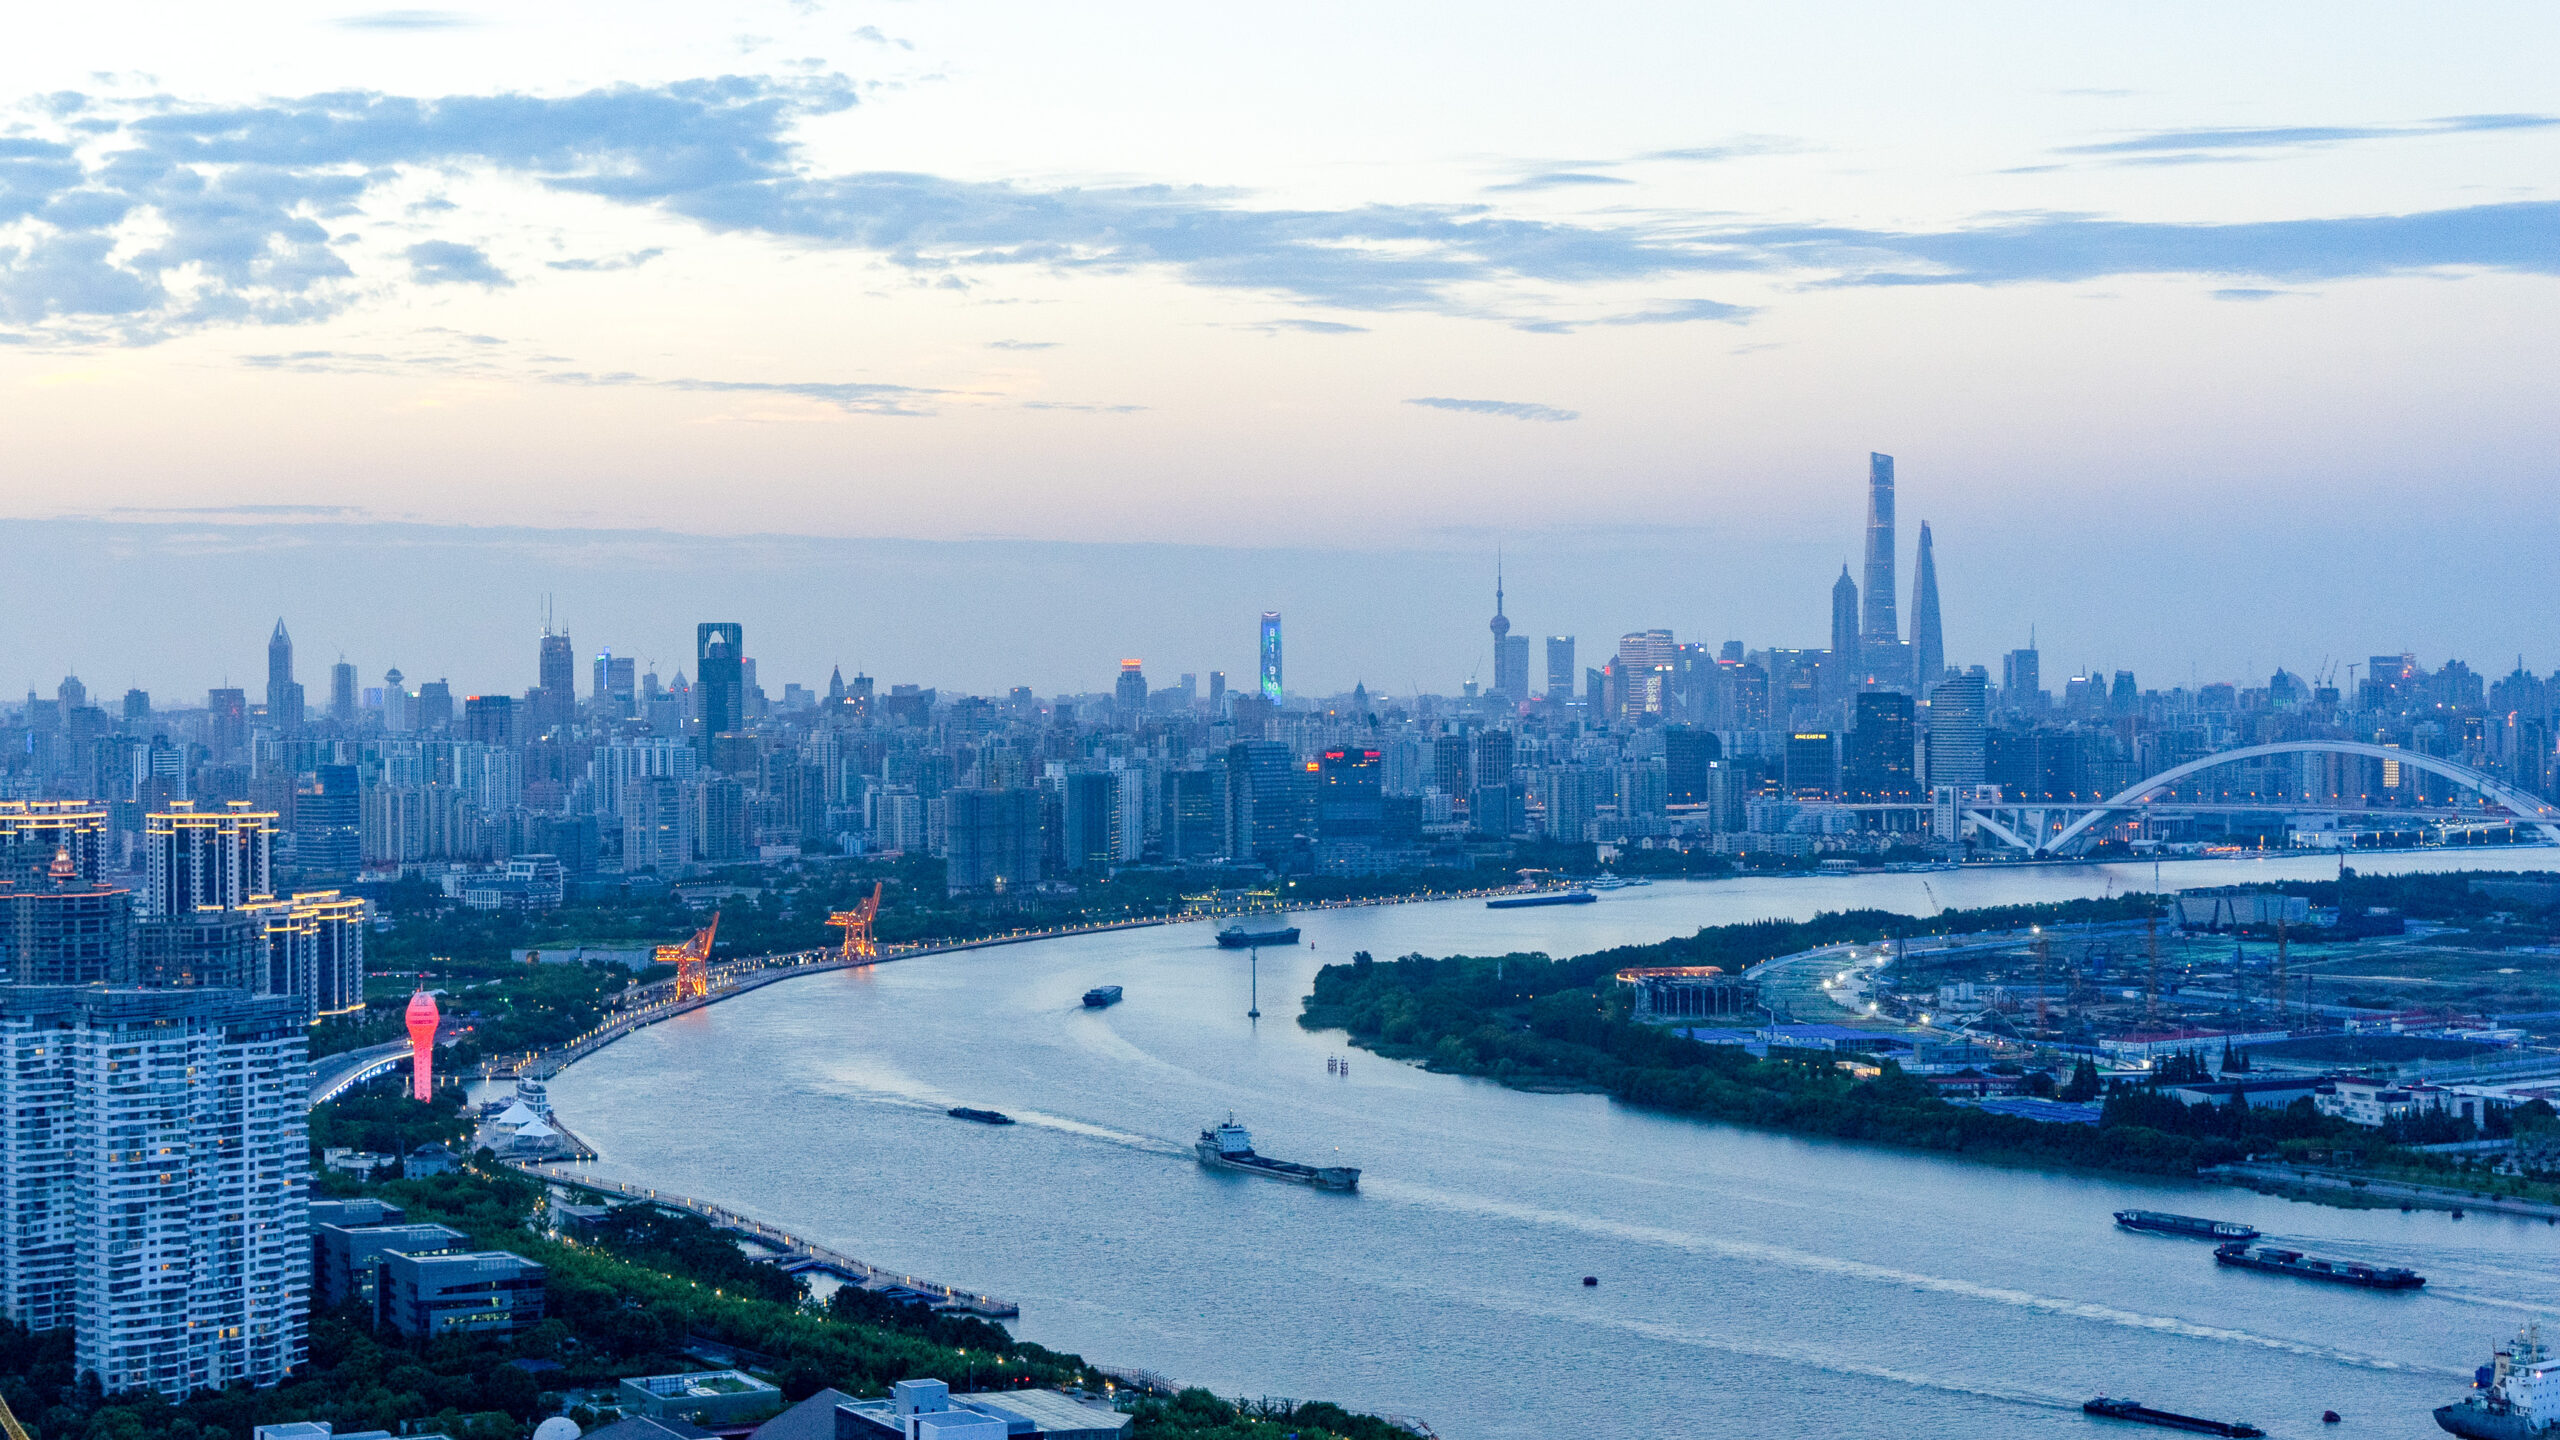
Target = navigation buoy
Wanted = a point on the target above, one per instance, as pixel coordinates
(1590, 1279)
(2457, 1212)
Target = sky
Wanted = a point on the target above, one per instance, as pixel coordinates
(980, 345)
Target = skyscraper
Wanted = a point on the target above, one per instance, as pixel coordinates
(200, 858)
(1958, 739)
(1844, 634)
(157, 1177)
(2021, 684)
(1560, 676)
(1510, 656)
(556, 669)
(1882, 749)
(342, 693)
(1129, 692)
(1928, 643)
(1881, 623)
(720, 684)
(284, 698)
(1271, 656)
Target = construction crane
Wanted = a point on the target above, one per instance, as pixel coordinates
(692, 960)
(858, 944)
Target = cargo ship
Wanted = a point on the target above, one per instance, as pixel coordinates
(1102, 995)
(1230, 1147)
(2142, 1414)
(2514, 1397)
(1237, 937)
(2311, 1267)
(1542, 897)
(2160, 1222)
(983, 1117)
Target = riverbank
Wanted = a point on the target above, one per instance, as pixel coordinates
(2352, 1191)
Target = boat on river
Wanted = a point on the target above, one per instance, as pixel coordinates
(2141, 1414)
(2161, 1222)
(2280, 1261)
(1541, 897)
(1104, 996)
(1239, 936)
(1230, 1147)
(2516, 1396)
(983, 1117)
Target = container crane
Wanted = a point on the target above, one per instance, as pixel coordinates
(692, 960)
(856, 922)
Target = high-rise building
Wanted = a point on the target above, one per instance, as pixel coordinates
(34, 832)
(1130, 690)
(1347, 795)
(2021, 686)
(490, 720)
(284, 697)
(1881, 622)
(199, 858)
(657, 824)
(1813, 765)
(342, 693)
(993, 840)
(399, 707)
(58, 929)
(1263, 800)
(1689, 756)
(1560, 674)
(313, 951)
(1844, 635)
(1271, 656)
(1958, 732)
(328, 826)
(556, 687)
(720, 683)
(1092, 816)
(1193, 802)
(435, 707)
(1510, 653)
(1883, 749)
(153, 1199)
(1928, 641)
(226, 713)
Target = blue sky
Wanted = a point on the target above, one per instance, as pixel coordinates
(1417, 282)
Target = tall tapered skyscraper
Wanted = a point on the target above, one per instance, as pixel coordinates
(1844, 635)
(284, 697)
(1928, 642)
(1881, 623)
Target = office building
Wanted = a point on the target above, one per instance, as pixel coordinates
(198, 858)
(1844, 636)
(555, 691)
(1813, 765)
(284, 697)
(1689, 756)
(227, 723)
(435, 707)
(153, 1196)
(993, 839)
(1271, 656)
(1881, 623)
(1510, 653)
(722, 830)
(1958, 753)
(1347, 796)
(1263, 800)
(1091, 839)
(34, 832)
(342, 693)
(1883, 749)
(490, 720)
(328, 824)
(428, 1293)
(927, 1410)
(1559, 669)
(58, 929)
(1928, 639)
(2021, 683)
(719, 680)
(657, 825)
(1194, 803)
(347, 1252)
(1129, 692)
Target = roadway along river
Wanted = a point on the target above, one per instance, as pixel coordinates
(1751, 1284)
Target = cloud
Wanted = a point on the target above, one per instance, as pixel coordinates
(872, 34)
(1082, 407)
(1560, 180)
(1304, 326)
(608, 262)
(1022, 344)
(443, 262)
(2294, 137)
(1511, 409)
(1739, 147)
(408, 20)
(1669, 312)
(2248, 293)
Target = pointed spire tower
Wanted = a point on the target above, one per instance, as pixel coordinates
(1510, 656)
(1844, 635)
(1928, 642)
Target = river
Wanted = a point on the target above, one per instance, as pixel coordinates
(1750, 1284)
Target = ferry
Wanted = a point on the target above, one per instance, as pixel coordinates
(2160, 1222)
(1101, 996)
(2516, 1396)
(1230, 1147)
(2310, 1267)
(983, 1117)
(1237, 937)
(2142, 1414)
(1541, 897)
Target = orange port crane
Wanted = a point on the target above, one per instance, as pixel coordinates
(858, 944)
(692, 960)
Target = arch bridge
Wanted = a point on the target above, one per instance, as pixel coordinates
(2526, 809)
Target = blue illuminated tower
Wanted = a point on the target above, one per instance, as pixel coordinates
(1271, 656)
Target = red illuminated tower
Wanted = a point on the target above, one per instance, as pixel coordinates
(422, 1044)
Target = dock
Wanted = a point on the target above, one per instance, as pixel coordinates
(796, 1255)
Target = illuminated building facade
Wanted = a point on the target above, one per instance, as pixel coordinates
(33, 832)
(1271, 656)
(198, 858)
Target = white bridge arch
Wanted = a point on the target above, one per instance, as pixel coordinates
(2524, 807)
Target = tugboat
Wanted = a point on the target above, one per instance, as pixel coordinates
(2514, 1397)
(2160, 1222)
(1230, 1147)
(2310, 1267)
(2142, 1414)
(983, 1117)
(1102, 996)
(1237, 937)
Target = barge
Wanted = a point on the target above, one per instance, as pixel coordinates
(983, 1117)
(1543, 897)
(2141, 1414)
(2279, 1261)
(1237, 937)
(2160, 1222)
(1230, 1147)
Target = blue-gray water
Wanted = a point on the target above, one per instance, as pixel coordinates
(1751, 1284)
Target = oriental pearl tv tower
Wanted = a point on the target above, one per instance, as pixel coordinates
(422, 1044)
